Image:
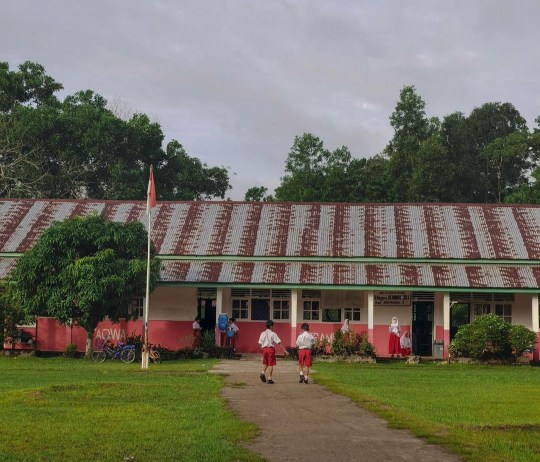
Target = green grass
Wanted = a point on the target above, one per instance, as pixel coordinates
(59, 409)
(483, 413)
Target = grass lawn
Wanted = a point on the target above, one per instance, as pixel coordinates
(483, 413)
(57, 409)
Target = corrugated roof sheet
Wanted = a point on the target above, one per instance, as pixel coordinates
(318, 232)
(403, 231)
(468, 276)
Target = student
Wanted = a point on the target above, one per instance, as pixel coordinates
(304, 342)
(268, 340)
(232, 333)
(393, 340)
(345, 327)
(197, 332)
(405, 344)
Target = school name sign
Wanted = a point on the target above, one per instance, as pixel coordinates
(395, 298)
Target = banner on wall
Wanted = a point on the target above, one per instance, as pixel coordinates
(392, 298)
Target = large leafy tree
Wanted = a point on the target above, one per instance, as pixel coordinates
(314, 173)
(79, 148)
(411, 128)
(86, 269)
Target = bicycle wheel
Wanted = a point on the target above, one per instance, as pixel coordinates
(98, 356)
(127, 356)
(154, 356)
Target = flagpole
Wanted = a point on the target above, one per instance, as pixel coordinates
(145, 352)
(150, 203)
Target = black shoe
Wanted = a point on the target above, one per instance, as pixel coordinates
(263, 378)
(301, 379)
(270, 381)
(305, 381)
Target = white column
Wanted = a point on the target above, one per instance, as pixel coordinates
(370, 307)
(219, 310)
(535, 327)
(535, 314)
(295, 297)
(446, 322)
(446, 311)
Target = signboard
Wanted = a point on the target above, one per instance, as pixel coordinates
(395, 298)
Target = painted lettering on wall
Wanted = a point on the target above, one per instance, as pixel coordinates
(113, 334)
(392, 298)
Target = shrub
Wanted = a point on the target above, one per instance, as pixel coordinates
(70, 351)
(486, 337)
(208, 340)
(351, 343)
(521, 339)
(322, 346)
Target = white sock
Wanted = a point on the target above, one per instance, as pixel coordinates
(301, 373)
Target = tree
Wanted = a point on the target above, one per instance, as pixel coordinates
(411, 128)
(85, 269)
(433, 176)
(30, 85)
(313, 173)
(258, 194)
(78, 147)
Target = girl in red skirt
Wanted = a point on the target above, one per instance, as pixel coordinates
(393, 340)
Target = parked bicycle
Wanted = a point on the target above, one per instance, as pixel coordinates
(154, 355)
(125, 353)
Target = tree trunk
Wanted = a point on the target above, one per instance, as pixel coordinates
(89, 338)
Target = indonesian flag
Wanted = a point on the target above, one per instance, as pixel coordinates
(151, 194)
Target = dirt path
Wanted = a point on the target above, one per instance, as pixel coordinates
(308, 423)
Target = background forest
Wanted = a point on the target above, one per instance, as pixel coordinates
(83, 147)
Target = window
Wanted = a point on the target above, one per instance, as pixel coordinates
(311, 310)
(331, 315)
(353, 314)
(481, 309)
(504, 310)
(281, 309)
(136, 308)
(240, 309)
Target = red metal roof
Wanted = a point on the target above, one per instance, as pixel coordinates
(403, 231)
(498, 237)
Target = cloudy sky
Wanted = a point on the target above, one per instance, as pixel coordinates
(236, 81)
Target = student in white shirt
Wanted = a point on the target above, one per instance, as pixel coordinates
(232, 333)
(304, 342)
(268, 339)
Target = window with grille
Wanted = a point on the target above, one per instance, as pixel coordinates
(504, 310)
(281, 309)
(352, 314)
(136, 308)
(311, 310)
(240, 309)
(331, 315)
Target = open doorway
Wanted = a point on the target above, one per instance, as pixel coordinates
(422, 328)
(206, 309)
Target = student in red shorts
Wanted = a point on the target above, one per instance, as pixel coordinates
(304, 342)
(268, 340)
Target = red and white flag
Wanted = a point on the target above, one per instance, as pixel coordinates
(151, 194)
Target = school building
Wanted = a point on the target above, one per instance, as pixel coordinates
(434, 266)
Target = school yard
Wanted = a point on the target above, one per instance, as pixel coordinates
(56, 409)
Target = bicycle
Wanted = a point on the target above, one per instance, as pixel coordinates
(126, 353)
(154, 355)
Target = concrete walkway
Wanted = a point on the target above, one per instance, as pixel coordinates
(308, 423)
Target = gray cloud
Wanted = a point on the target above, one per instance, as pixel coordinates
(235, 81)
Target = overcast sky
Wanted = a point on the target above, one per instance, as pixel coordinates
(236, 81)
